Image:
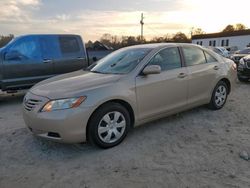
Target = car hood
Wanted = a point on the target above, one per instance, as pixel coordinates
(69, 85)
(239, 55)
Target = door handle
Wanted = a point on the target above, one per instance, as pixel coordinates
(81, 58)
(182, 75)
(47, 61)
(216, 67)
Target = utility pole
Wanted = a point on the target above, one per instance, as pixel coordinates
(142, 23)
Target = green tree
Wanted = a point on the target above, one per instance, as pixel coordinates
(239, 27)
(5, 39)
(236, 27)
(180, 37)
(198, 31)
(229, 28)
(106, 39)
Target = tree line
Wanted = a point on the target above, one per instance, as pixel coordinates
(5, 39)
(117, 42)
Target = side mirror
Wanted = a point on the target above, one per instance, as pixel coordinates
(13, 55)
(94, 59)
(152, 69)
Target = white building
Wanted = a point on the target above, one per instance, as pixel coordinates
(240, 39)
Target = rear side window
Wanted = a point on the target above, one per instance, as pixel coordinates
(210, 58)
(49, 47)
(193, 56)
(69, 44)
(167, 59)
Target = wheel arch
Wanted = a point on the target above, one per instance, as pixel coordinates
(119, 101)
(228, 83)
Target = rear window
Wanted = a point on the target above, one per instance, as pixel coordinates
(69, 45)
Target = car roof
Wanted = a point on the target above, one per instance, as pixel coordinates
(159, 45)
(26, 35)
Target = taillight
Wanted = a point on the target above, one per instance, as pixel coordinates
(234, 67)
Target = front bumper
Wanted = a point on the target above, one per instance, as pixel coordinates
(67, 126)
(243, 72)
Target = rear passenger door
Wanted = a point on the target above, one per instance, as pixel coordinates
(202, 70)
(50, 49)
(73, 55)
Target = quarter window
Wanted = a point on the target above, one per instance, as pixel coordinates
(193, 56)
(210, 58)
(167, 59)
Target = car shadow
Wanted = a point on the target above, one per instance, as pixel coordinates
(13, 98)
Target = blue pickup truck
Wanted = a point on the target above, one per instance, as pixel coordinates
(29, 59)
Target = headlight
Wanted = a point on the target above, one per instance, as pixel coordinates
(242, 62)
(61, 104)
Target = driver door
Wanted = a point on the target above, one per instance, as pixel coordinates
(23, 65)
(160, 93)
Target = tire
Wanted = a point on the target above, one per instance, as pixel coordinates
(242, 79)
(219, 96)
(109, 125)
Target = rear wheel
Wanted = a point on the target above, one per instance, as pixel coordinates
(109, 125)
(219, 96)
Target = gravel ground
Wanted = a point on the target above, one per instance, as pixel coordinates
(196, 148)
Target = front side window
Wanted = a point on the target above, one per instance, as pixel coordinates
(167, 59)
(28, 48)
(121, 61)
(193, 56)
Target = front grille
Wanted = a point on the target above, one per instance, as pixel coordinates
(248, 64)
(237, 58)
(30, 104)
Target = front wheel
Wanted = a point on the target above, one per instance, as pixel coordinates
(109, 125)
(219, 96)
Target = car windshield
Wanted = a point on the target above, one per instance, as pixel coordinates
(121, 62)
(245, 51)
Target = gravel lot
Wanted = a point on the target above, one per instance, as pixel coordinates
(196, 148)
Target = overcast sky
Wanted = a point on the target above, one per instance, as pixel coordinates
(93, 18)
